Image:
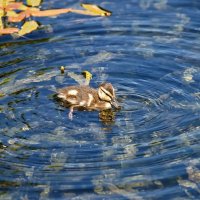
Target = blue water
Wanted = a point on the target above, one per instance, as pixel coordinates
(149, 50)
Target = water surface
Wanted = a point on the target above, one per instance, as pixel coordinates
(149, 51)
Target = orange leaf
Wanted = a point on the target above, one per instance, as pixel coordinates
(44, 13)
(13, 6)
(97, 10)
(9, 30)
(28, 27)
(16, 17)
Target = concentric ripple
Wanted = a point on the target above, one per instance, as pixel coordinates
(149, 51)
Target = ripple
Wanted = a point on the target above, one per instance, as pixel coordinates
(149, 151)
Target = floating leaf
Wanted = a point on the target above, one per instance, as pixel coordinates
(28, 27)
(5, 3)
(1, 23)
(1, 13)
(8, 30)
(97, 10)
(13, 6)
(87, 75)
(15, 17)
(62, 69)
(53, 12)
(2, 94)
(33, 2)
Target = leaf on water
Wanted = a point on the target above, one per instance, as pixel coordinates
(8, 30)
(83, 12)
(5, 3)
(15, 17)
(1, 13)
(13, 6)
(28, 27)
(33, 2)
(53, 12)
(1, 23)
(2, 94)
(97, 10)
(87, 75)
(62, 69)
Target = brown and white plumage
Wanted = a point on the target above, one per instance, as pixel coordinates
(84, 96)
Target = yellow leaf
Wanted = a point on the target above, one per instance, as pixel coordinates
(4, 3)
(1, 24)
(23, 7)
(84, 12)
(1, 13)
(62, 69)
(28, 27)
(97, 10)
(15, 17)
(33, 2)
(87, 75)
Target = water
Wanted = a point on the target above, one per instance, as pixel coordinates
(149, 51)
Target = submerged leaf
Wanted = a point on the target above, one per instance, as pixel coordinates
(97, 10)
(33, 2)
(28, 27)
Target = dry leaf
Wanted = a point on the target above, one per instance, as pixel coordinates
(62, 69)
(15, 17)
(33, 2)
(28, 27)
(13, 6)
(8, 30)
(97, 10)
(5, 3)
(53, 12)
(87, 75)
(1, 13)
(84, 12)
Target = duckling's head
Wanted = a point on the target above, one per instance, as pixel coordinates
(106, 92)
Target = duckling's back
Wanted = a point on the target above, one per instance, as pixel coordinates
(78, 95)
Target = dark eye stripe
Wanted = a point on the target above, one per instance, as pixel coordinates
(106, 92)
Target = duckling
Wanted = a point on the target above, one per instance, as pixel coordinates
(88, 98)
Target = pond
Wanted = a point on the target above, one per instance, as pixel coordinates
(149, 51)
